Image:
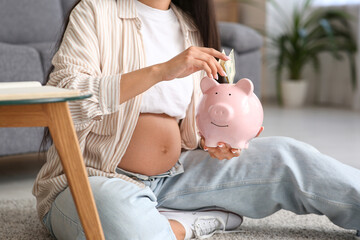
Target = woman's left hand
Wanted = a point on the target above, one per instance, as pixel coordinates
(223, 150)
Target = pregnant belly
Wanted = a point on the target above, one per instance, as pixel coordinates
(155, 146)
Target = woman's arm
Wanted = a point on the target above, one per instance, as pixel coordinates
(77, 66)
(189, 61)
(136, 82)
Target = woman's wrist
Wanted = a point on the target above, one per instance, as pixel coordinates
(159, 71)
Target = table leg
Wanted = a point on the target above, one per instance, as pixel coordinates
(66, 143)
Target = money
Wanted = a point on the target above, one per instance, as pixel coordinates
(229, 67)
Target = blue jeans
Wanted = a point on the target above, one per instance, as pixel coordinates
(273, 173)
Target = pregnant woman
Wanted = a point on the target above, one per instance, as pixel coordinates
(150, 173)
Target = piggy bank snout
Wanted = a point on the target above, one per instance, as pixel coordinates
(221, 113)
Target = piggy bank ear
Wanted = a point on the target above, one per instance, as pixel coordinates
(207, 83)
(245, 85)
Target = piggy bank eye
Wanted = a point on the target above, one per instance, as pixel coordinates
(216, 93)
(229, 94)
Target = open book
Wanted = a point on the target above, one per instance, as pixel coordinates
(33, 90)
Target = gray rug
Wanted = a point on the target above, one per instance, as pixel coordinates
(18, 221)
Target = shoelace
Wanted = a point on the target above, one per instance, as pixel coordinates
(205, 227)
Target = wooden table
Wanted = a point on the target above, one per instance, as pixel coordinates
(54, 113)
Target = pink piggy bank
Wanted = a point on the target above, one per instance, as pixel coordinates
(229, 113)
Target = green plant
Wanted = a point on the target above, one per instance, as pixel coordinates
(308, 33)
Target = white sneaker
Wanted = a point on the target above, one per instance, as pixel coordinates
(204, 223)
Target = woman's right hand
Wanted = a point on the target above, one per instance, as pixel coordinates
(223, 150)
(192, 60)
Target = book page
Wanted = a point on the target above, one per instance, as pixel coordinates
(22, 93)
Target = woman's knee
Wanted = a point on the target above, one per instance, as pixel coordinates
(110, 195)
(281, 143)
(126, 210)
(286, 157)
(286, 149)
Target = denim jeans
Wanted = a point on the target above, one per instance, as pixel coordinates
(273, 173)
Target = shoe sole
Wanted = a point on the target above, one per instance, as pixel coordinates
(204, 209)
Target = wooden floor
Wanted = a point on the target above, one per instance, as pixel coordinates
(335, 132)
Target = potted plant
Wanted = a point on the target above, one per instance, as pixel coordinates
(308, 33)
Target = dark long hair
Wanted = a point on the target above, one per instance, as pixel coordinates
(203, 14)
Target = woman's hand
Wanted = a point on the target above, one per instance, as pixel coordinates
(223, 150)
(192, 60)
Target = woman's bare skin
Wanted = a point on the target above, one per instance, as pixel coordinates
(155, 145)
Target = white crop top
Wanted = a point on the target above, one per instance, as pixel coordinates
(163, 40)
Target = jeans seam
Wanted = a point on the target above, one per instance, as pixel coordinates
(203, 189)
(236, 184)
(47, 223)
(316, 197)
(332, 202)
(66, 217)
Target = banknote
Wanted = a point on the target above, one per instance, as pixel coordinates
(229, 67)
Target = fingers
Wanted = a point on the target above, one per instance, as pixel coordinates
(207, 55)
(201, 65)
(236, 151)
(261, 129)
(214, 53)
(212, 63)
(192, 60)
(223, 151)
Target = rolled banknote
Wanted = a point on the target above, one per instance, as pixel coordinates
(229, 66)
